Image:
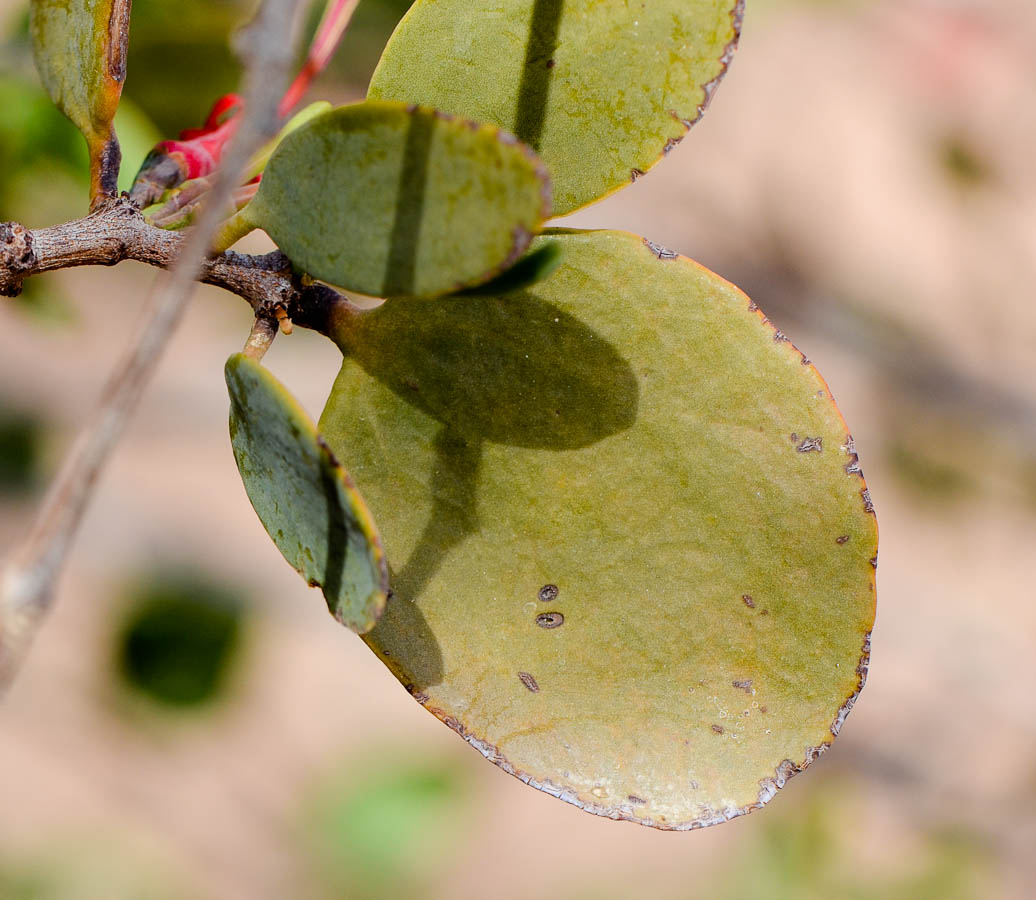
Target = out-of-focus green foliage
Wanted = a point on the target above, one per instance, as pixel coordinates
(178, 639)
(21, 438)
(385, 825)
(809, 852)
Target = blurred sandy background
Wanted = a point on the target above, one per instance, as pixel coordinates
(868, 174)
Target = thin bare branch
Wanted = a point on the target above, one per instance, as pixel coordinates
(29, 579)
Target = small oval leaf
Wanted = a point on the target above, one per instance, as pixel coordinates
(80, 51)
(305, 500)
(653, 600)
(390, 200)
(599, 88)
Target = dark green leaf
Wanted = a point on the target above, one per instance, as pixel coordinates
(303, 497)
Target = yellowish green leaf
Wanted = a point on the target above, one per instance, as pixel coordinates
(599, 88)
(632, 550)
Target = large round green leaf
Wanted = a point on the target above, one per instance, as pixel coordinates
(632, 549)
(599, 88)
(80, 50)
(305, 500)
(390, 200)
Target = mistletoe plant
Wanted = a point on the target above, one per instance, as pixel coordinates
(603, 520)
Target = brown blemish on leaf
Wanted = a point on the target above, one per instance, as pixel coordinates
(550, 620)
(743, 684)
(717, 729)
(811, 445)
(842, 539)
(118, 39)
(530, 682)
(672, 142)
(862, 668)
(737, 15)
(868, 504)
(749, 602)
(779, 336)
(548, 593)
(874, 561)
(633, 798)
(635, 174)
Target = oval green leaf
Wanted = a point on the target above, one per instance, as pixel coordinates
(80, 51)
(633, 553)
(303, 497)
(390, 200)
(599, 88)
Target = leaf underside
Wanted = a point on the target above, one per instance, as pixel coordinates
(599, 88)
(632, 550)
(303, 497)
(388, 200)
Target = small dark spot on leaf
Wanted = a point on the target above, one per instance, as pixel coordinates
(763, 709)
(672, 142)
(718, 729)
(749, 602)
(633, 798)
(806, 361)
(868, 505)
(765, 612)
(743, 684)
(635, 174)
(811, 445)
(794, 437)
(548, 593)
(412, 385)
(842, 539)
(779, 336)
(874, 561)
(550, 620)
(530, 682)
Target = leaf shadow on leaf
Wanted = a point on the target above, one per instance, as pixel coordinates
(511, 369)
(337, 537)
(401, 265)
(454, 515)
(534, 90)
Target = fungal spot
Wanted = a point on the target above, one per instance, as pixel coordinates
(868, 505)
(633, 798)
(718, 729)
(749, 602)
(842, 539)
(530, 682)
(672, 142)
(765, 612)
(550, 620)
(743, 684)
(763, 709)
(548, 593)
(811, 445)
(874, 562)
(794, 437)
(635, 174)
(806, 361)
(752, 307)
(551, 63)
(779, 336)
(660, 251)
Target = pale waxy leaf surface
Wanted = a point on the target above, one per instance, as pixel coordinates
(388, 200)
(599, 88)
(80, 51)
(303, 497)
(630, 544)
